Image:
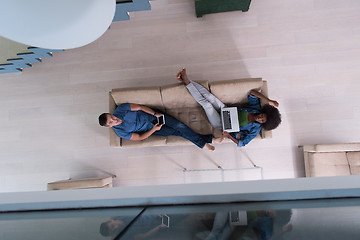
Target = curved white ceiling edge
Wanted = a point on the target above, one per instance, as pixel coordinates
(55, 24)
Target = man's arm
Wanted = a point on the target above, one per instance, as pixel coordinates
(261, 96)
(138, 137)
(138, 107)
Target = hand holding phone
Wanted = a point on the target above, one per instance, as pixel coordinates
(161, 120)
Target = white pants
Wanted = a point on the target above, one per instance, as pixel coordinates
(208, 101)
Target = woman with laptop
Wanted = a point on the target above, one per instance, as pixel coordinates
(252, 118)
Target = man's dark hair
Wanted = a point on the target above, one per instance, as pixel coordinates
(273, 117)
(103, 119)
(105, 229)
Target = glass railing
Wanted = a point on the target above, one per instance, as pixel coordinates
(307, 219)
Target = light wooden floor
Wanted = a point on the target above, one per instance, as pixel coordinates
(308, 51)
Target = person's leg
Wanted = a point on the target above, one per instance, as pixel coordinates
(208, 101)
(227, 231)
(212, 113)
(219, 224)
(175, 127)
(209, 96)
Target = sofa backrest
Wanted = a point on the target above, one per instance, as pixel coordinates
(149, 96)
(177, 96)
(235, 91)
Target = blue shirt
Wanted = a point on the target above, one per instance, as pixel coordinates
(133, 121)
(252, 129)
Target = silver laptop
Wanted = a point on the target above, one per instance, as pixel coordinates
(229, 119)
(238, 218)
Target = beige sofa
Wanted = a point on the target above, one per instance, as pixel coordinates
(175, 100)
(332, 159)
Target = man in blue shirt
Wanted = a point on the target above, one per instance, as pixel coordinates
(138, 122)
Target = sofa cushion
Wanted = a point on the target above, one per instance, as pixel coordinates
(152, 141)
(328, 164)
(149, 96)
(224, 90)
(177, 96)
(354, 162)
(195, 118)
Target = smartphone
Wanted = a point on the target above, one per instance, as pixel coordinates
(161, 120)
(165, 220)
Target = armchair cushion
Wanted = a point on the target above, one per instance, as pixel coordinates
(328, 164)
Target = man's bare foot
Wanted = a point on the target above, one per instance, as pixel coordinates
(182, 76)
(218, 140)
(210, 147)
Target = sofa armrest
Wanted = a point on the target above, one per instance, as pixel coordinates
(307, 164)
(266, 134)
(115, 141)
(265, 91)
(337, 147)
(112, 104)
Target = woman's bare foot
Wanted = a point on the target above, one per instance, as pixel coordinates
(210, 147)
(182, 76)
(218, 140)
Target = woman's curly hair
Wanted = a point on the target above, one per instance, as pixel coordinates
(273, 117)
